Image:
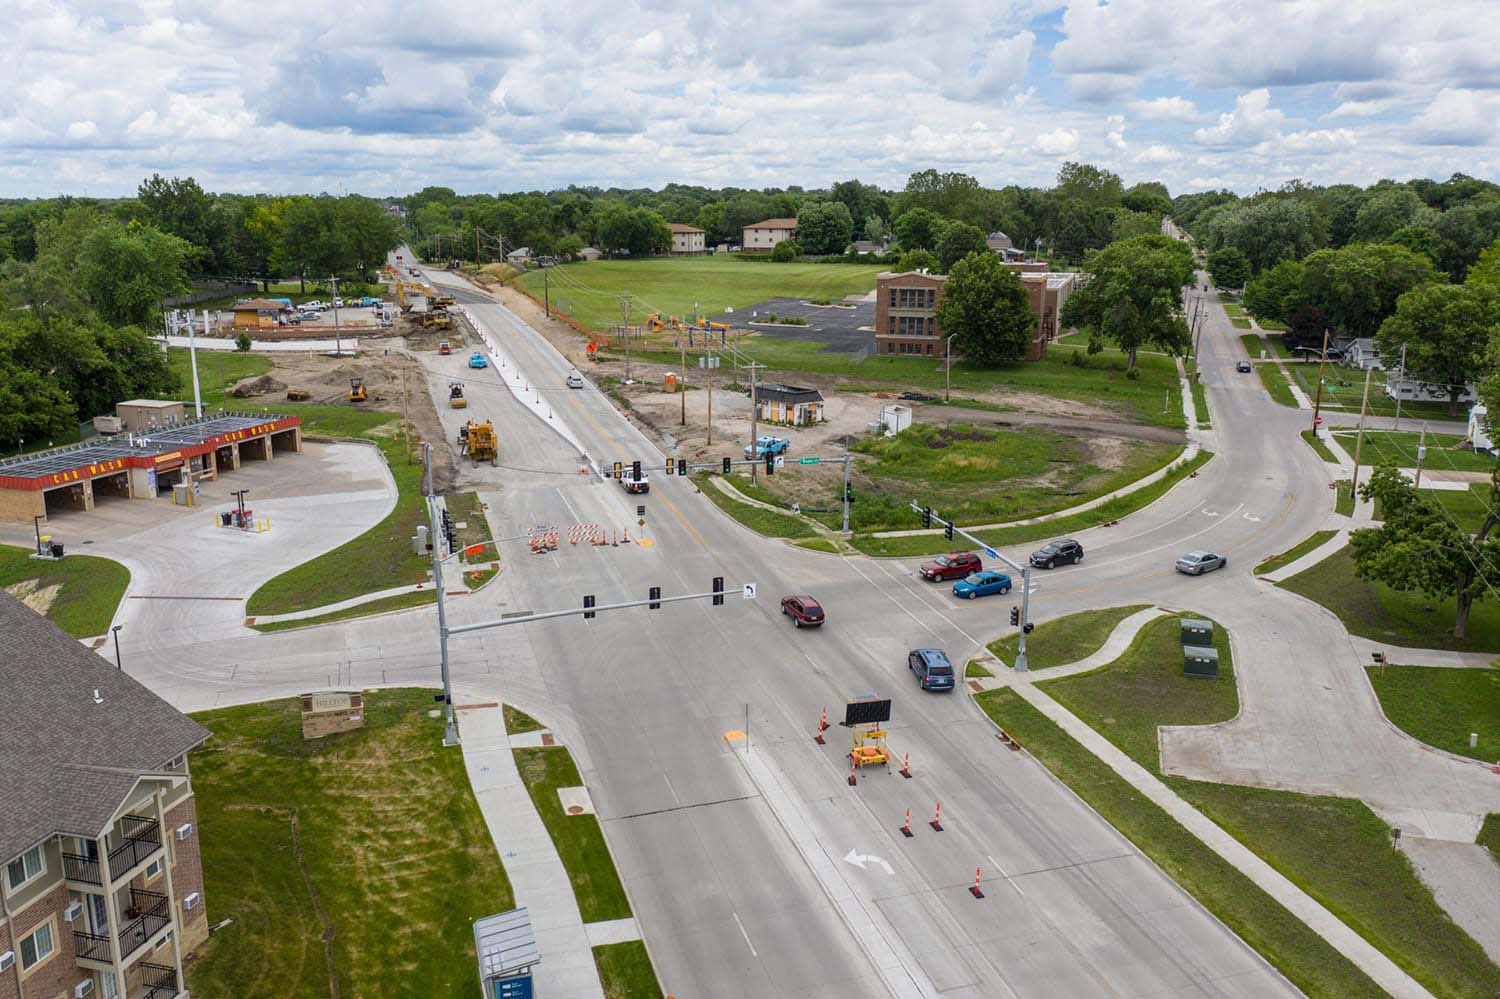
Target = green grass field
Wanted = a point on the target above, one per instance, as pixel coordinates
(518, 721)
(772, 525)
(1317, 443)
(1065, 639)
(1343, 388)
(686, 286)
(1489, 835)
(1399, 448)
(1275, 381)
(1343, 498)
(1341, 852)
(80, 593)
(1467, 507)
(1441, 706)
(1200, 405)
(625, 971)
(218, 370)
(1295, 552)
(1311, 963)
(1121, 506)
(1374, 610)
(398, 601)
(380, 822)
(579, 839)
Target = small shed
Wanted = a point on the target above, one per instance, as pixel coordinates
(137, 416)
(789, 405)
(256, 312)
(519, 255)
(505, 945)
(895, 419)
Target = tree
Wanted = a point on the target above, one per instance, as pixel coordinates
(1486, 269)
(181, 208)
(825, 227)
(1446, 330)
(1276, 292)
(1150, 197)
(1385, 212)
(917, 229)
(1418, 239)
(1228, 268)
(1358, 285)
(710, 219)
(1134, 296)
(368, 234)
(864, 201)
(951, 195)
(786, 251)
(1418, 547)
(1463, 232)
(1091, 185)
(958, 241)
(1125, 223)
(874, 230)
(917, 260)
(1266, 231)
(984, 307)
(569, 247)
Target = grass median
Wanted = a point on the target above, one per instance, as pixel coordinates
(1292, 554)
(380, 823)
(1200, 405)
(1442, 706)
(625, 971)
(1275, 381)
(911, 545)
(767, 522)
(1064, 639)
(79, 594)
(1315, 441)
(1340, 853)
(1310, 962)
(397, 601)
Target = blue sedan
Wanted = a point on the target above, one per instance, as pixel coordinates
(477, 360)
(981, 584)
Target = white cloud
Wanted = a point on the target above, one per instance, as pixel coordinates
(1167, 109)
(1157, 154)
(1459, 117)
(1115, 131)
(1252, 120)
(1057, 141)
(1359, 109)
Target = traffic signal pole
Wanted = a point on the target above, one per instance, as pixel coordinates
(465, 629)
(450, 730)
(1024, 570)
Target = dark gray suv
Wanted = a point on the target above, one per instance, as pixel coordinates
(932, 668)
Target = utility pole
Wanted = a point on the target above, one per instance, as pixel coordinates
(708, 362)
(1401, 385)
(846, 492)
(434, 534)
(625, 332)
(682, 380)
(546, 293)
(1421, 453)
(1318, 402)
(1359, 438)
(193, 360)
(338, 347)
(754, 414)
(405, 420)
(947, 371)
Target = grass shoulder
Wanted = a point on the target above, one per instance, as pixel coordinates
(767, 522)
(80, 593)
(1315, 441)
(1064, 639)
(394, 602)
(1200, 405)
(1489, 835)
(1343, 498)
(518, 721)
(1292, 554)
(1275, 381)
(625, 971)
(281, 817)
(1441, 706)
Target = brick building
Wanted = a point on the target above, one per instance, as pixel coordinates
(687, 241)
(100, 875)
(906, 310)
(763, 236)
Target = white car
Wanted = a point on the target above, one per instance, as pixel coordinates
(575, 380)
(1197, 563)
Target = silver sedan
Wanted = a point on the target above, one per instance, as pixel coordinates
(1197, 563)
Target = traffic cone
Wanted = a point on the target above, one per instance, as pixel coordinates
(937, 818)
(626, 539)
(823, 722)
(852, 779)
(906, 765)
(974, 888)
(906, 825)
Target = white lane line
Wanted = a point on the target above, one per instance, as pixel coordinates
(1176, 543)
(671, 788)
(907, 586)
(741, 925)
(1008, 879)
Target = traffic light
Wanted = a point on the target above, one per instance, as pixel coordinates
(682, 467)
(727, 464)
(635, 470)
(848, 494)
(619, 470)
(588, 601)
(671, 465)
(1027, 627)
(719, 589)
(655, 595)
(770, 464)
(948, 530)
(1015, 617)
(926, 517)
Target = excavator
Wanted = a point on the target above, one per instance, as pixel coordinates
(357, 391)
(478, 441)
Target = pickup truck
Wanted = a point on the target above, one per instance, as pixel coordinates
(767, 446)
(631, 484)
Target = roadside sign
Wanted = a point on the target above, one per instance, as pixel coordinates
(808, 461)
(991, 552)
(781, 461)
(748, 591)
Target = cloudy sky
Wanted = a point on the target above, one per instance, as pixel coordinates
(387, 97)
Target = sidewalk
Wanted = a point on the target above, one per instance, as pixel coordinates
(536, 872)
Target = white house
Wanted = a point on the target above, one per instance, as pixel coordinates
(1411, 390)
(1362, 354)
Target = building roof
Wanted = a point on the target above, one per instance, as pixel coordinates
(787, 393)
(67, 758)
(892, 275)
(679, 227)
(258, 304)
(774, 224)
(151, 403)
(520, 251)
(505, 943)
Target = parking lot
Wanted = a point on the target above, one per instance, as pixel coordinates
(843, 328)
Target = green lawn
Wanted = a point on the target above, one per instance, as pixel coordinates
(819, 545)
(1344, 387)
(1200, 405)
(1343, 498)
(1489, 835)
(1374, 610)
(973, 669)
(1340, 853)
(380, 823)
(1121, 506)
(466, 509)
(1295, 552)
(1272, 377)
(218, 370)
(1308, 961)
(683, 286)
(399, 601)
(1399, 448)
(1065, 639)
(80, 593)
(772, 525)
(1253, 344)
(579, 840)
(1442, 706)
(625, 971)
(518, 721)
(1315, 441)
(1467, 507)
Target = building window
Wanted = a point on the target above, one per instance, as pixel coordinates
(153, 869)
(24, 868)
(37, 947)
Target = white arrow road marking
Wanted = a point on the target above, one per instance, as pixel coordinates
(861, 859)
(1210, 513)
(1252, 517)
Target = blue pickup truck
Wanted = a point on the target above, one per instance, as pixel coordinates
(764, 446)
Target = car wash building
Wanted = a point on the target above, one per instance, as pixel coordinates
(159, 463)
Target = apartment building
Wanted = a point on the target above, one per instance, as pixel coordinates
(101, 883)
(687, 241)
(906, 310)
(763, 236)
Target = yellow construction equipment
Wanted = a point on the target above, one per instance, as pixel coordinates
(437, 320)
(357, 391)
(456, 398)
(441, 301)
(478, 441)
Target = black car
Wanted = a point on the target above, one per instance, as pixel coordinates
(1244, 367)
(1057, 553)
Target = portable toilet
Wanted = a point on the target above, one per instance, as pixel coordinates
(1197, 632)
(1199, 662)
(1479, 429)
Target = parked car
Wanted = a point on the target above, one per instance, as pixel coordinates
(1197, 563)
(932, 668)
(444, 347)
(631, 484)
(804, 611)
(575, 380)
(954, 565)
(1056, 553)
(981, 584)
(1244, 367)
(477, 360)
(767, 445)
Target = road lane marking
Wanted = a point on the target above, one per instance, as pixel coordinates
(861, 859)
(741, 925)
(670, 787)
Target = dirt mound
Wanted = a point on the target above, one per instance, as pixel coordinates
(261, 385)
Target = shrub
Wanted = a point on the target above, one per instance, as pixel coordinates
(242, 342)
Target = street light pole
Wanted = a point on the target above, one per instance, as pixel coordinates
(948, 368)
(434, 534)
(338, 348)
(754, 415)
(116, 631)
(1318, 401)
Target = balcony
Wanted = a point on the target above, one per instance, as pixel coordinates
(147, 915)
(91, 946)
(157, 982)
(136, 837)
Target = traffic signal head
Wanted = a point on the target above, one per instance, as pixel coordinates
(619, 470)
(655, 598)
(770, 464)
(671, 465)
(1015, 617)
(849, 493)
(682, 467)
(635, 470)
(727, 465)
(926, 517)
(948, 530)
(588, 601)
(1027, 627)
(719, 589)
